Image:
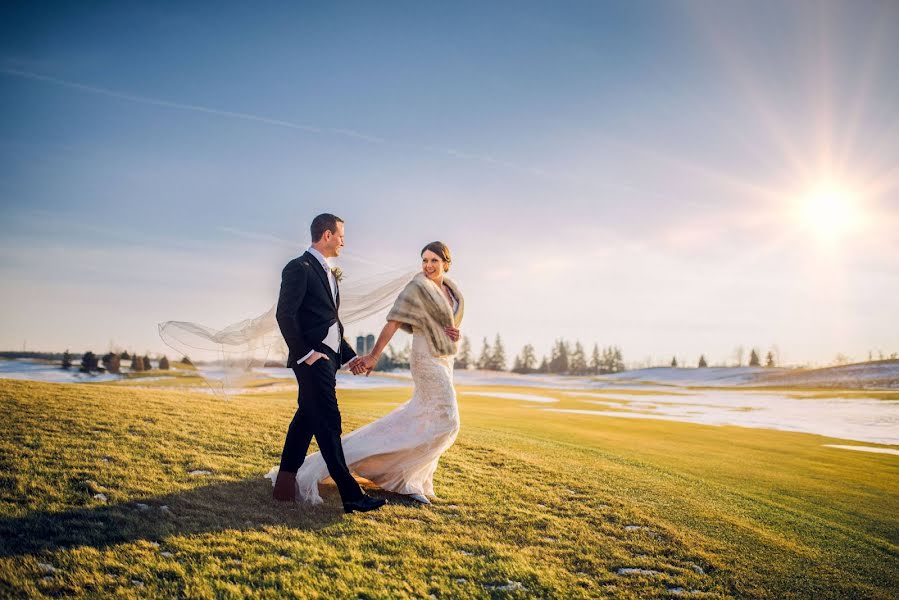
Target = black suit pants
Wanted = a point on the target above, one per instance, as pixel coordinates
(319, 416)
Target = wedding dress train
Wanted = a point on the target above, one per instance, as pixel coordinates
(400, 451)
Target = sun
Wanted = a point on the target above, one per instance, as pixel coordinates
(830, 210)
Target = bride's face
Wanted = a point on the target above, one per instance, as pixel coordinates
(432, 265)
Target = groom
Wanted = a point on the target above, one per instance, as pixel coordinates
(307, 316)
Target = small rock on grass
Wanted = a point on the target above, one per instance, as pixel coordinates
(142, 506)
(634, 571)
(509, 586)
(47, 568)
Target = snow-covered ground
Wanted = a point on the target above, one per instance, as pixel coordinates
(714, 376)
(872, 375)
(849, 418)
(37, 370)
(880, 374)
(732, 395)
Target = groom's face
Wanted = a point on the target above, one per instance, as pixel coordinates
(333, 241)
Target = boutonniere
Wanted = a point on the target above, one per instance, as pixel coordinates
(337, 273)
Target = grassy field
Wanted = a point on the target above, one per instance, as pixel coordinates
(105, 491)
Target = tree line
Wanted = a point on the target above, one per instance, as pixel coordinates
(754, 360)
(565, 358)
(111, 362)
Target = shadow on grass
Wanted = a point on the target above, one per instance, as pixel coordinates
(242, 506)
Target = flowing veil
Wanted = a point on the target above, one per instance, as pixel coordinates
(241, 347)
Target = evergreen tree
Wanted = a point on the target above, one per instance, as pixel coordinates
(463, 359)
(526, 362)
(674, 361)
(544, 366)
(186, 361)
(88, 362)
(164, 363)
(498, 356)
(578, 362)
(485, 359)
(400, 358)
(769, 360)
(702, 362)
(754, 359)
(384, 363)
(66, 360)
(607, 361)
(619, 360)
(615, 360)
(595, 361)
(125, 355)
(528, 359)
(137, 363)
(147, 364)
(559, 362)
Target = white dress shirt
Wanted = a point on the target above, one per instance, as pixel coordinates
(332, 339)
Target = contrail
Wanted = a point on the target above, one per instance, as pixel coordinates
(348, 133)
(336, 131)
(183, 106)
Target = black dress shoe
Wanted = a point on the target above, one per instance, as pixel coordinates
(285, 487)
(363, 504)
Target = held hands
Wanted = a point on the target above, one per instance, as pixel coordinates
(453, 333)
(363, 364)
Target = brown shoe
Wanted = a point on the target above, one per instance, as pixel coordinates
(285, 487)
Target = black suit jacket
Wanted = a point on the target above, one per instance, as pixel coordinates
(306, 309)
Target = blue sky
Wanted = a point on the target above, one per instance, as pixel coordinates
(630, 173)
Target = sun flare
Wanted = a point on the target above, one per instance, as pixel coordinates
(830, 210)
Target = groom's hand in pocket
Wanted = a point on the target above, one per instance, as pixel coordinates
(315, 357)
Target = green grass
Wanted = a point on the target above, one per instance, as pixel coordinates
(532, 504)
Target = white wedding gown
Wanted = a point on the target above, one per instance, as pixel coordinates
(398, 452)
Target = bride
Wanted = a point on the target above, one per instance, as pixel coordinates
(400, 451)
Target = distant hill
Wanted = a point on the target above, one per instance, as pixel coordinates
(874, 374)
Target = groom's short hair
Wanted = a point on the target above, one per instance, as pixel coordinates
(322, 223)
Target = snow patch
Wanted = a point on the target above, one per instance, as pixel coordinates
(865, 449)
(856, 418)
(514, 396)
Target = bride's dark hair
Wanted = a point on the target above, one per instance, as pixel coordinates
(441, 250)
